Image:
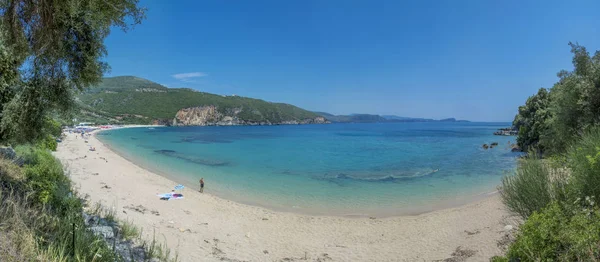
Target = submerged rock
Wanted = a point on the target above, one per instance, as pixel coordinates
(485, 146)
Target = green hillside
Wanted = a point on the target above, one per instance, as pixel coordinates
(136, 100)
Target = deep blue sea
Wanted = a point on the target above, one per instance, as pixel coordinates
(337, 169)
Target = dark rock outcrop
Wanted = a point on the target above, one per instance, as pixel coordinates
(515, 148)
(110, 232)
(162, 122)
(509, 131)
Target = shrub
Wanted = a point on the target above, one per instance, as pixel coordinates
(555, 234)
(49, 142)
(583, 159)
(129, 230)
(45, 177)
(52, 127)
(533, 187)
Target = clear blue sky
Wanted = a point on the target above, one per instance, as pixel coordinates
(476, 60)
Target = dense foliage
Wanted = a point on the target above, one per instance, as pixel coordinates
(145, 100)
(557, 195)
(531, 121)
(48, 51)
(555, 234)
(551, 120)
(557, 198)
(38, 211)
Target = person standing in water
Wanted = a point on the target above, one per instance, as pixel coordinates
(201, 185)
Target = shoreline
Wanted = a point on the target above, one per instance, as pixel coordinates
(205, 227)
(441, 204)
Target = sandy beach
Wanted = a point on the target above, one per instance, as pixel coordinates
(202, 227)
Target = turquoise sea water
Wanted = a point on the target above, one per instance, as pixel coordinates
(336, 169)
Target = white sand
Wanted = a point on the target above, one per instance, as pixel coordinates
(203, 227)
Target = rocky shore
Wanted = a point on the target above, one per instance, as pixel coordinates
(509, 131)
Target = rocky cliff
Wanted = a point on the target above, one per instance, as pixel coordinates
(211, 116)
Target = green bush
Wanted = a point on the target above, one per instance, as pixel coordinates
(52, 127)
(49, 142)
(44, 175)
(583, 160)
(533, 187)
(37, 213)
(555, 234)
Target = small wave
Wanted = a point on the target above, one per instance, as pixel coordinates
(205, 140)
(377, 179)
(163, 151)
(355, 134)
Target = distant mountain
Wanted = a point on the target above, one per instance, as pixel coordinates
(353, 118)
(392, 117)
(366, 118)
(130, 99)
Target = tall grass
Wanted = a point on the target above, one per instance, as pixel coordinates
(41, 228)
(129, 231)
(41, 217)
(583, 159)
(534, 185)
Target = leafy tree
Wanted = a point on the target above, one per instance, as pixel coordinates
(575, 105)
(532, 120)
(48, 51)
(550, 121)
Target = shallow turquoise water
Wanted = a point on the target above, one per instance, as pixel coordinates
(337, 169)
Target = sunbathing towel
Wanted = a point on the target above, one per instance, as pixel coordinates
(169, 196)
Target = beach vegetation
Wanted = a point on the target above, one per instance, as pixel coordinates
(558, 203)
(553, 119)
(558, 234)
(535, 185)
(40, 214)
(129, 231)
(531, 121)
(556, 187)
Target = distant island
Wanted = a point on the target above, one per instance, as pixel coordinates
(134, 100)
(369, 118)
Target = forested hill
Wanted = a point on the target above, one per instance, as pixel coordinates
(129, 99)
